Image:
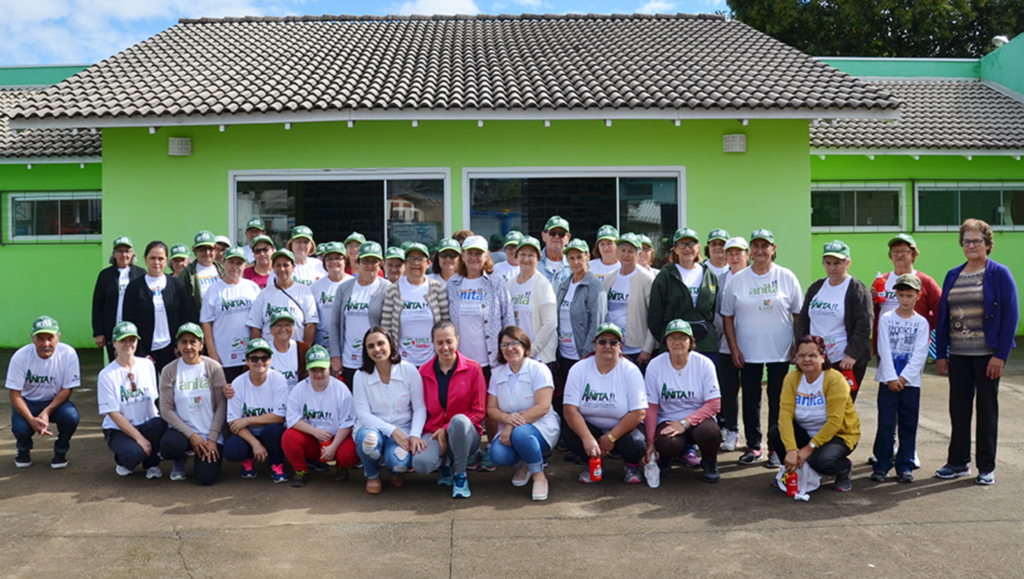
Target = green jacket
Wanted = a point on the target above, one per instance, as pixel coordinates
(671, 300)
(191, 280)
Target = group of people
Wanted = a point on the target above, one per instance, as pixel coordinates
(262, 354)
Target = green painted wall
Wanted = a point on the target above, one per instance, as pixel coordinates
(32, 75)
(940, 252)
(1006, 65)
(57, 279)
(907, 67)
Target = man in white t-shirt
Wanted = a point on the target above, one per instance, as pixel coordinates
(553, 264)
(509, 269)
(40, 378)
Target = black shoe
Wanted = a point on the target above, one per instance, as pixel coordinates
(711, 474)
(571, 457)
(878, 476)
(23, 459)
(561, 447)
(906, 477)
(751, 456)
(318, 465)
(341, 475)
(844, 480)
(59, 460)
(300, 479)
(773, 461)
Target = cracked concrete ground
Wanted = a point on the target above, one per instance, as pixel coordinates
(84, 521)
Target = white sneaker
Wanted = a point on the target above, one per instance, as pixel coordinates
(122, 471)
(917, 461)
(154, 472)
(732, 438)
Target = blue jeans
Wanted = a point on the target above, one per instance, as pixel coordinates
(236, 449)
(897, 413)
(128, 453)
(527, 445)
(65, 417)
(385, 445)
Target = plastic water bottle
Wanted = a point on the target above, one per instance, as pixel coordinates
(879, 287)
(653, 473)
(792, 488)
(595, 469)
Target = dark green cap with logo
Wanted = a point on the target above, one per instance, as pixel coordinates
(630, 238)
(371, 249)
(282, 315)
(908, 280)
(282, 253)
(395, 253)
(609, 328)
(124, 330)
(836, 248)
(644, 240)
(255, 223)
(449, 244)
(333, 247)
(719, 234)
(318, 357)
(903, 238)
(258, 344)
(678, 326)
(204, 239)
(416, 246)
(685, 233)
(577, 244)
(528, 241)
(122, 241)
(301, 231)
(189, 328)
(556, 222)
(513, 238)
(764, 234)
(260, 238)
(607, 232)
(233, 253)
(355, 236)
(179, 250)
(45, 325)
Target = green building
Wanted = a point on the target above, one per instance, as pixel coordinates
(416, 127)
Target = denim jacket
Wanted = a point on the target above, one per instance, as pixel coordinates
(497, 309)
(588, 310)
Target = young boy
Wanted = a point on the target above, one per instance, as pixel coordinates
(902, 351)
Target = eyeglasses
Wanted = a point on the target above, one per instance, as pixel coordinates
(687, 244)
(557, 233)
(510, 345)
(259, 359)
(900, 252)
(131, 380)
(972, 242)
(808, 356)
(415, 259)
(261, 250)
(608, 342)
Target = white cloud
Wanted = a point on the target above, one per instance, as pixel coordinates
(426, 7)
(656, 7)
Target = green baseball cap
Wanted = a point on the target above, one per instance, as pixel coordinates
(416, 246)
(318, 357)
(908, 280)
(764, 234)
(258, 344)
(685, 233)
(255, 223)
(333, 247)
(124, 330)
(394, 253)
(281, 315)
(45, 325)
(720, 234)
(122, 241)
(355, 236)
(204, 239)
(233, 253)
(371, 249)
(836, 248)
(630, 238)
(556, 222)
(607, 232)
(301, 231)
(644, 240)
(319, 249)
(179, 250)
(528, 241)
(260, 238)
(513, 238)
(223, 239)
(189, 328)
(406, 245)
(282, 252)
(475, 242)
(609, 328)
(678, 326)
(577, 244)
(449, 244)
(903, 238)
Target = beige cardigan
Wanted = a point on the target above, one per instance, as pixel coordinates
(391, 315)
(168, 377)
(636, 309)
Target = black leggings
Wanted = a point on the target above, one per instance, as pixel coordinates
(828, 459)
(632, 446)
(174, 446)
(750, 377)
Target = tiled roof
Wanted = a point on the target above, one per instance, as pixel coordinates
(697, 65)
(936, 114)
(42, 142)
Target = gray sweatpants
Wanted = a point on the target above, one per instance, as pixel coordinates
(463, 440)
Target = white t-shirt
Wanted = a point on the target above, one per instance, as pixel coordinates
(692, 278)
(604, 399)
(810, 412)
(397, 404)
(249, 256)
(309, 272)
(472, 337)
(522, 304)
(601, 270)
(330, 410)
(551, 269)
(417, 320)
(517, 393)
(717, 270)
(618, 304)
(227, 307)
(437, 277)
(723, 344)
(271, 300)
(114, 393)
(323, 291)
(39, 379)
(357, 322)
(826, 313)
(287, 363)
(506, 270)
(122, 282)
(207, 275)
(193, 400)
(680, 393)
(902, 348)
(271, 397)
(566, 344)
(161, 333)
(763, 306)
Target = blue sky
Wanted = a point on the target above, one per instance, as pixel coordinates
(87, 31)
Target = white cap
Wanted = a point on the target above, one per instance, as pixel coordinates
(475, 242)
(737, 242)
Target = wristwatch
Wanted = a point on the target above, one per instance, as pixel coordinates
(812, 444)
(611, 438)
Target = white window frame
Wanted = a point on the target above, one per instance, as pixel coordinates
(899, 187)
(443, 173)
(960, 185)
(677, 172)
(14, 196)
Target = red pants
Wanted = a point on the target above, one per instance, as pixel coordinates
(299, 447)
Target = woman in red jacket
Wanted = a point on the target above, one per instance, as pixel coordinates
(455, 394)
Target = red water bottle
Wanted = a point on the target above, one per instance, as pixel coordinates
(879, 287)
(595, 469)
(791, 484)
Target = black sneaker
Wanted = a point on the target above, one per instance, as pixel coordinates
(751, 456)
(952, 471)
(573, 458)
(844, 480)
(341, 475)
(318, 465)
(300, 479)
(773, 461)
(879, 476)
(23, 459)
(59, 460)
(711, 474)
(906, 477)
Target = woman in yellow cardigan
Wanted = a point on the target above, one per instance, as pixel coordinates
(817, 420)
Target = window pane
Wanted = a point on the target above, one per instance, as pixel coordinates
(271, 201)
(984, 204)
(938, 207)
(1014, 201)
(80, 217)
(415, 211)
(33, 217)
(651, 207)
(878, 208)
(833, 207)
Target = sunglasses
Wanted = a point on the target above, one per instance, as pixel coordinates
(557, 234)
(255, 359)
(261, 250)
(608, 342)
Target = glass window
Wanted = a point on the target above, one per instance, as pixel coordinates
(946, 207)
(852, 207)
(415, 211)
(650, 206)
(55, 217)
